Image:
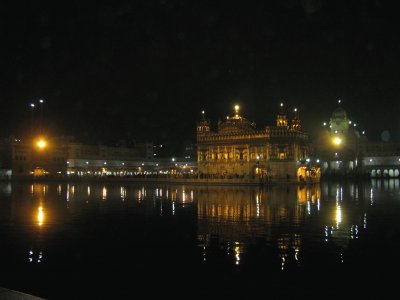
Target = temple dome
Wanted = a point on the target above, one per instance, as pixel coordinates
(236, 123)
(339, 113)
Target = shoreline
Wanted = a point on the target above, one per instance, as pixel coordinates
(172, 181)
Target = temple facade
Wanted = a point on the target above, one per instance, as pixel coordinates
(237, 149)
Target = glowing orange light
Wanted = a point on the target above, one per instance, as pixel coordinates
(41, 144)
(40, 216)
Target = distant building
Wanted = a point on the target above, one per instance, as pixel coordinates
(37, 157)
(339, 146)
(239, 150)
(343, 150)
(105, 160)
(190, 150)
(20, 158)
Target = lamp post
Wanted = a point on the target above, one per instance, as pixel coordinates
(32, 105)
(32, 126)
(41, 101)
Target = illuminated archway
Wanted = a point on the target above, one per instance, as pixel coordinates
(385, 173)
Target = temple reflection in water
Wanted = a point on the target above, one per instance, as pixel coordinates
(232, 219)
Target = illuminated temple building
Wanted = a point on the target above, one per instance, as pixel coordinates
(238, 150)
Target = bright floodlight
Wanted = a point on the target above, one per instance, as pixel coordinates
(41, 100)
(41, 144)
(337, 140)
(32, 105)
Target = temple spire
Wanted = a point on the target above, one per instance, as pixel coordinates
(236, 108)
(203, 125)
(296, 124)
(281, 119)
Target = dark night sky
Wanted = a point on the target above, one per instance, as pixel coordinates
(144, 70)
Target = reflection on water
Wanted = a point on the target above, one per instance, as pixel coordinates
(40, 216)
(236, 216)
(288, 228)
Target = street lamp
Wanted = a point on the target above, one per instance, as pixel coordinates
(41, 101)
(337, 141)
(32, 105)
(41, 143)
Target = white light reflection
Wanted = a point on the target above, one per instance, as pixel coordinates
(104, 193)
(67, 196)
(283, 263)
(88, 191)
(326, 233)
(258, 205)
(365, 220)
(31, 256)
(372, 196)
(123, 193)
(338, 216)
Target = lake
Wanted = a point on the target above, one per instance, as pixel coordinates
(95, 240)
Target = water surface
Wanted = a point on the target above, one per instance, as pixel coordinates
(77, 240)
